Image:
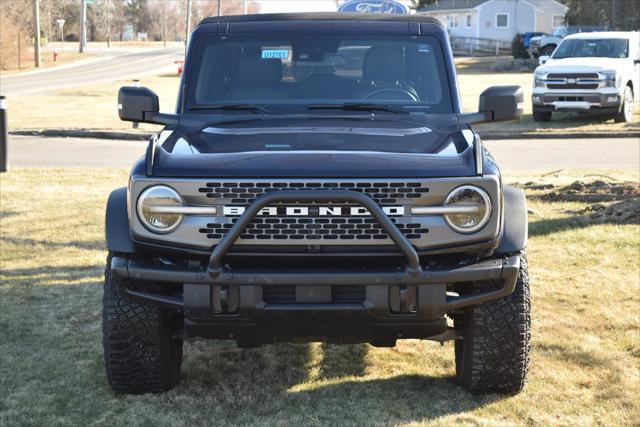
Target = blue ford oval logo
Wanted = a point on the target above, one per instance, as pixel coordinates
(373, 6)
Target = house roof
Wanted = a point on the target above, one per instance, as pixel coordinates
(452, 5)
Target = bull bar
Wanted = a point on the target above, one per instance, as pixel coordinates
(503, 269)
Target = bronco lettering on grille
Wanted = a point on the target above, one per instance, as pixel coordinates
(313, 211)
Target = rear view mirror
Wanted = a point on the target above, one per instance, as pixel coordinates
(134, 102)
(499, 103)
(140, 104)
(543, 59)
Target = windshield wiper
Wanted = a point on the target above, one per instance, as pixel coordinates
(358, 107)
(239, 107)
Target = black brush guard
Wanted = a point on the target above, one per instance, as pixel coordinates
(503, 270)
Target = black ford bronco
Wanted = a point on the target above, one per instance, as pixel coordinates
(317, 182)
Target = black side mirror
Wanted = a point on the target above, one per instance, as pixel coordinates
(499, 103)
(140, 104)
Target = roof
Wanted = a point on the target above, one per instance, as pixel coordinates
(320, 16)
(604, 35)
(452, 5)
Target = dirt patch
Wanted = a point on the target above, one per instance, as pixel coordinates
(617, 202)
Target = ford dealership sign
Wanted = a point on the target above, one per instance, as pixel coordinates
(373, 6)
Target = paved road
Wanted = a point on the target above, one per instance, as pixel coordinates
(511, 155)
(117, 64)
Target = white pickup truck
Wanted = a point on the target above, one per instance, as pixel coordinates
(589, 72)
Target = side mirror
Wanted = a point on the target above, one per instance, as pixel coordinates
(499, 103)
(543, 59)
(140, 104)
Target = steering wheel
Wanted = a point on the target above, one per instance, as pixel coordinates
(405, 94)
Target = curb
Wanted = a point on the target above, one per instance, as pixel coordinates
(139, 136)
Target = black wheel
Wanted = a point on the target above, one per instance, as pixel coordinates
(542, 116)
(548, 50)
(141, 352)
(626, 110)
(493, 356)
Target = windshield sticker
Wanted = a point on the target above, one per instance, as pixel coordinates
(423, 48)
(275, 54)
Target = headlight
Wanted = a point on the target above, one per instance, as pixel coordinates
(152, 208)
(611, 78)
(538, 79)
(468, 195)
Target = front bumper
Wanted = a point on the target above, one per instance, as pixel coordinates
(232, 305)
(575, 101)
(225, 302)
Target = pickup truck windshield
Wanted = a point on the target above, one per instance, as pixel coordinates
(592, 48)
(299, 71)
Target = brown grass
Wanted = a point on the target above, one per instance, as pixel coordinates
(86, 107)
(585, 349)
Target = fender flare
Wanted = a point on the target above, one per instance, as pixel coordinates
(117, 235)
(516, 224)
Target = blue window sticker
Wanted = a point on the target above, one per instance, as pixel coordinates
(423, 48)
(275, 53)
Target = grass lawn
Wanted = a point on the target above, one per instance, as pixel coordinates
(585, 360)
(94, 106)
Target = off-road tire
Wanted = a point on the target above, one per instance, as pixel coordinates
(141, 355)
(542, 116)
(493, 356)
(625, 115)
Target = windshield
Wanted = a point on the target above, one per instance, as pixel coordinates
(306, 70)
(560, 32)
(592, 48)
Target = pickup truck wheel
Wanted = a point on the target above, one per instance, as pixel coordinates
(493, 356)
(542, 116)
(626, 110)
(140, 353)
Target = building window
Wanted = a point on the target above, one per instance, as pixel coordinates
(469, 21)
(502, 20)
(557, 20)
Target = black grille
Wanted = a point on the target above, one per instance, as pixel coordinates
(572, 86)
(326, 229)
(340, 294)
(380, 192)
(573, 76)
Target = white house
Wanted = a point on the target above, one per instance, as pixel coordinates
(497, 19)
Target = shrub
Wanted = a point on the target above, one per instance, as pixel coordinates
(517, 48)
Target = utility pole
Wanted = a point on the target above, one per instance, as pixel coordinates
(83, 25)
(244, 7)
(36, 29)
(219, 7)
(19, 51)
(164, 27)
(109, 25)
(613, 15)
(188, 24)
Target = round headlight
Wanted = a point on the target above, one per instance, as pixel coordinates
(154, 209)
(479, 204)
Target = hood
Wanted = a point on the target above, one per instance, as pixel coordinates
(316, 148)
(582, 65)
